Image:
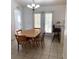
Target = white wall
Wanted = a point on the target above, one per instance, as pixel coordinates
(27, 18)
(14, 5)
(42, 22)
(65, 39)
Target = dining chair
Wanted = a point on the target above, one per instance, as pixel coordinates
(36, 28)
(54, 32)
(40, 39)
(57, 33)
(19, 30)
(21, 40)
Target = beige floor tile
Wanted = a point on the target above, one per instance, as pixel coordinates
(53, 54)
(36, 57)
(17, 57)
(60, 57)
(52, 57)
(45, 52)
(60, 54)
(44, 57)
(51, 50)
(28, 57)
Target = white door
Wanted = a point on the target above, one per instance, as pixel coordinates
(17, 19)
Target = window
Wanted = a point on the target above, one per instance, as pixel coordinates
(37, 20)
(17, 19)
(48, 22)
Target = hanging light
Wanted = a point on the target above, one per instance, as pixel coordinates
(33, 5)
(29, 6)
(37, 6)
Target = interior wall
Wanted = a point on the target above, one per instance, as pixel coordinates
(65, 39)
(27, 18)
(14, 5)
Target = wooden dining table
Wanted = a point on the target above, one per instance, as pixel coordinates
(31, 33)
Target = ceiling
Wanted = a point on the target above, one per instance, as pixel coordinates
(42, 2)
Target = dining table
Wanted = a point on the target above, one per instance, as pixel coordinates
(30, 33)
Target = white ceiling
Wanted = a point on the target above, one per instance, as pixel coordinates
(42, 2)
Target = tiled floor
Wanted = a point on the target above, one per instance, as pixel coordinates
(52, 50)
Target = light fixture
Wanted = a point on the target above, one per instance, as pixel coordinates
(33, 6)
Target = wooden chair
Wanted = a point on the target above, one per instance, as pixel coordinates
(21, 40)
(36, 28)
(19, 30)
(40, 39)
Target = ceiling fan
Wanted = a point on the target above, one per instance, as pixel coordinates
(33, 6)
